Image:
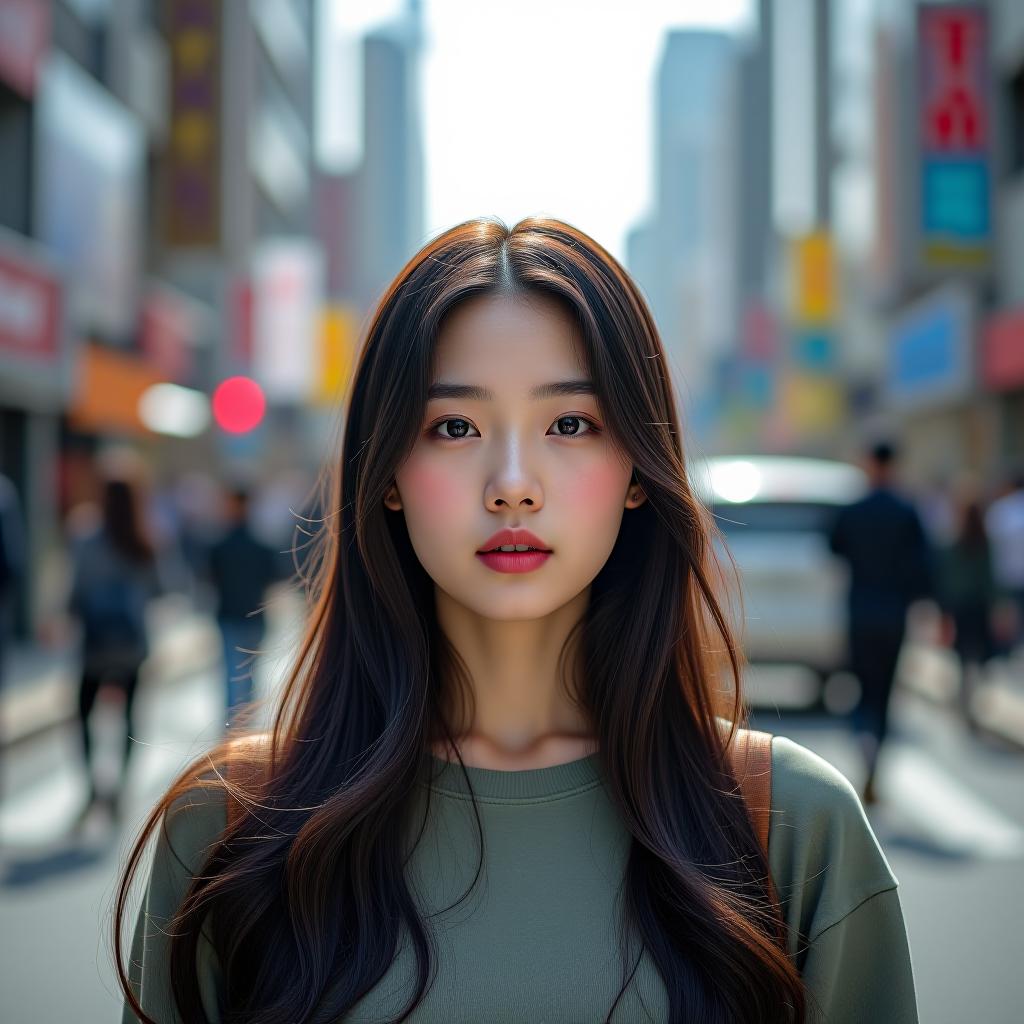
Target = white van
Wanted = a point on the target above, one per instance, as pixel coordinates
(775, 513)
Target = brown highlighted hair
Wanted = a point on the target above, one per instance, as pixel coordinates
(307, 893)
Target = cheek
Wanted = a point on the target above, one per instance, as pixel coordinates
(595, 493)
(432, 494)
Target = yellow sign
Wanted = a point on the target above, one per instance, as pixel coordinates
(339, 325)
(814, 279)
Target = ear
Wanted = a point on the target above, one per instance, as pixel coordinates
(635, 496)
(392, 499)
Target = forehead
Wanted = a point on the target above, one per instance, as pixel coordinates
(497, 332)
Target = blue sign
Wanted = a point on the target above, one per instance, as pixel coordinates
(955, 199)
(930, 354)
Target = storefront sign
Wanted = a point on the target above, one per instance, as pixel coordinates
(287, 285)
(110, 386)
(813, 299)
(30, 310)
(191, 181)
(954, 113)
(931, 349)
(35, 369)
(1002, 361)
(339, 325)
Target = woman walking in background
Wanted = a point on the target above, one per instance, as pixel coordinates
(114, 575)
(967, 595)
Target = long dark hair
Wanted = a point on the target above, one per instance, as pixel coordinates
(308, 893)
(122, 519)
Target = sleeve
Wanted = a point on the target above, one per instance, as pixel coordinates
(840, 897)
(191, 824)
(859, 969)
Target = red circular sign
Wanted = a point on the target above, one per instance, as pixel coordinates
(238, 404)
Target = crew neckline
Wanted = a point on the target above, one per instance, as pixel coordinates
(522, 785)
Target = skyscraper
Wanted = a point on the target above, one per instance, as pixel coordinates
(391, 176)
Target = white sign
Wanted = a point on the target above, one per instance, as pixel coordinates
(287, 283)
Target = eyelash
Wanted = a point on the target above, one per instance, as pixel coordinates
(594, 428)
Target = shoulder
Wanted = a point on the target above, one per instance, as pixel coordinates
(824, 855)
(805, 784)
(195, 821)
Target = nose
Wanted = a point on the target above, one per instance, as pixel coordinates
(513, 484)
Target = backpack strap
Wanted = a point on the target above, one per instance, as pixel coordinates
(751, 760)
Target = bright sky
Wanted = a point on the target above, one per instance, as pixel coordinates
(531, 107)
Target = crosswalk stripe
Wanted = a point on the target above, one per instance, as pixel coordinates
(945, 811)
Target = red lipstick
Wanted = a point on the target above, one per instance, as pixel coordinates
(514, 561)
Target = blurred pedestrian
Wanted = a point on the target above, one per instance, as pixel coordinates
(882, 538)
(12, 567)
(114, 576)
(241, 568)
(12, 559)
(1005, 524)
(967, 593)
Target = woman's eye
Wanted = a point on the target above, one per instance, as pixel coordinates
(575, 419)
(461, 425)
(457, 427)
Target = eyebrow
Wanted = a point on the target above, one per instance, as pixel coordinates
(475, 393)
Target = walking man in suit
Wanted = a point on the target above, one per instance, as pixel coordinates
(883, 540)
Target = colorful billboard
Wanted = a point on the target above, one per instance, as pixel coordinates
(191, 196)
(954, 131)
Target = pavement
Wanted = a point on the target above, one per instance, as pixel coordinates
(40, 684)
(997, 702)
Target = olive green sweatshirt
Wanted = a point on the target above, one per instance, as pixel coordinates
(537, 939)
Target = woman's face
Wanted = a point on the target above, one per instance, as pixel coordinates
(541, 463)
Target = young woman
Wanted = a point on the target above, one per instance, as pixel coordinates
(498, 785)
(115, 573)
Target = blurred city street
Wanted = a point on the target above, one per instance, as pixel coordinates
(202, 204)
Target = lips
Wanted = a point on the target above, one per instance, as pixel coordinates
(509, 536)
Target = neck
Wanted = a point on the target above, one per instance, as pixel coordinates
(520, 713)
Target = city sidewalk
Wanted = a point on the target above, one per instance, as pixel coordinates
(998, 703)
(39, 689)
